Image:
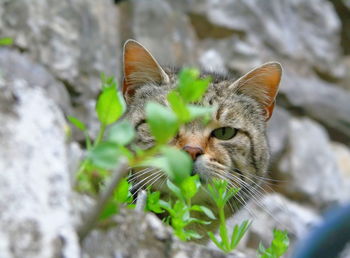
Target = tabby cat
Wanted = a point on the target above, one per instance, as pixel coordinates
(232, 146)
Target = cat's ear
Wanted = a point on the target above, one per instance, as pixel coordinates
(139, 68)
(262, 84)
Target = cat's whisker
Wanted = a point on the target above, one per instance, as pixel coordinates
(255, 188)
(252, 192)
(141, 172)
(270, 179)
(149, 182)
(238, 197)
(147, 177)
(261, 191)
(142, 176)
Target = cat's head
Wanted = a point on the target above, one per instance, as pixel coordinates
(233, 145)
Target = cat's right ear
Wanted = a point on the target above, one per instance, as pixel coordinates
(139, 68)
(262, 84)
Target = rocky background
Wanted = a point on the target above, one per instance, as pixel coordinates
(52, 70)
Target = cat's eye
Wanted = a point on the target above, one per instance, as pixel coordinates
(224, 133)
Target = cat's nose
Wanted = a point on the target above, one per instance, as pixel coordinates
(194, 151)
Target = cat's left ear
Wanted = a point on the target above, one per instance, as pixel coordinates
(140, 68)
(262, 84)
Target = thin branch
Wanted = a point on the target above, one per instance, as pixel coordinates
(92, 218)
(141, 200)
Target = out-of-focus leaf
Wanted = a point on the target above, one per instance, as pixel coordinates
(121, 133)
(162, 122)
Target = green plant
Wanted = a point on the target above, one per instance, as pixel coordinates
(279, 245)
(6, 41)
(221, 194)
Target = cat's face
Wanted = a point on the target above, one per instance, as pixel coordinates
(233, 145)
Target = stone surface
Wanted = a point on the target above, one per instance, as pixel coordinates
(322, 101)
(277, 132)
(79, 42)
(342, 155)
(16, 66)
(35, 189)
(143, 235)
(309, 166)
(172, 43)
(275, 211)
(276, 29)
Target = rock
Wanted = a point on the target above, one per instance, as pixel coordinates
(277, 132)
(343, 9)
(211, 60)
(15, 66)
(143, 235)
(277, 29)
(309, 165)
(342, 155)
(35, 187)
(142, 18)
(275, 211)
(76, 40)
(320, 100)
(75, 156)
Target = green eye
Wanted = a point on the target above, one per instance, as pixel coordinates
(224, 133)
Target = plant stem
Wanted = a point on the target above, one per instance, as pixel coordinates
(223, 232)
(92, 218)
(100, 134)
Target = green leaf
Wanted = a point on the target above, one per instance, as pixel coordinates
(77, 123)
(205, 210)
(238, 232)
(189, 186)
(179, 107)
(180, 164)
(105, 155)
(121, 133)
(6, 41)
(199, 221)
(278, 247)
(162, 122)
(152, 203)
(215, 240)
(190, 87)
(122, 191)
(199, 111)
(190, 234)
(176, 190)
(110, 105)
(158, 162)
(110, 209)
(165, 205)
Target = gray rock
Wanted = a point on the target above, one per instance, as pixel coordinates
(286, 30)
(277, 132)
(78, 43)
(16, 66)
(35, 188)
(171, 43)
(76, 40)
(342, 155)
(143, 235)
(275, 211)
(211, 60)
(322, 101)
(309, 166)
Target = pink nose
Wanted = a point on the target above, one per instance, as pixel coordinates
(194, 151)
